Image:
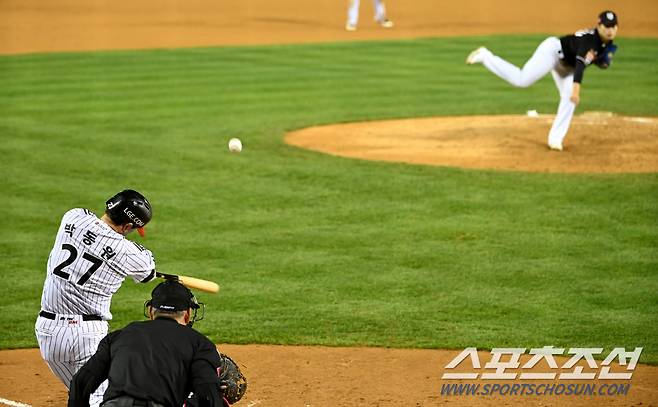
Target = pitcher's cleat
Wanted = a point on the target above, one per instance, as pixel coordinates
(555, 146)
(476, 57)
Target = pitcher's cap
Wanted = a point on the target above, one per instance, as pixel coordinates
(608, 18)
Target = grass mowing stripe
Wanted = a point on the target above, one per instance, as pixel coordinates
(323, 250)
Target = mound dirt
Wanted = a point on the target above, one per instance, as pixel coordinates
(597, 142)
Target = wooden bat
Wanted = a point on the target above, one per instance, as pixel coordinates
(191, 282)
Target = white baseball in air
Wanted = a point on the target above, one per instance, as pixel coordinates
(235, 145)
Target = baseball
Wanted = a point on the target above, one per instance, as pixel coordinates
(235, 145)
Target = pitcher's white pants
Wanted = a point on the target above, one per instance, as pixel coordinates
(353, 11)
(546, 59)
(66, 344)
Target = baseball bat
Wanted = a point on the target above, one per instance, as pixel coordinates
(192, 282)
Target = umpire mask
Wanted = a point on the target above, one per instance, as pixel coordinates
(171, 296)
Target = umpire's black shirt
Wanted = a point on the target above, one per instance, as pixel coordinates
(159, 360)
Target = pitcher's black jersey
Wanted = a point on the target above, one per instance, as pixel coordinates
(576, 46)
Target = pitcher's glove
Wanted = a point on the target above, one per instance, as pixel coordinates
(232, 383)
(605, 59)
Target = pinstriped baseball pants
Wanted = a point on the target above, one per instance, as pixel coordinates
(66, 343)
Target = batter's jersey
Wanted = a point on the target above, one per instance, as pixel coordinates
(87, 265)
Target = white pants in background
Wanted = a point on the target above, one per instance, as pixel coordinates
(353, 12)
(547, 58)
(66, 343)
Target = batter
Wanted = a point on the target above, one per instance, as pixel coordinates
(90, 259)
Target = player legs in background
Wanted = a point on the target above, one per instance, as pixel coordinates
(380, 14)
(353, 15)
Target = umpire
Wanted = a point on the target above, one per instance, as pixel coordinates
(154, 363)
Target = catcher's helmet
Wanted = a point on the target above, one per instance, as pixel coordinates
(129, 206)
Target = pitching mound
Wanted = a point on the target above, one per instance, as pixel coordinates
(597, 142)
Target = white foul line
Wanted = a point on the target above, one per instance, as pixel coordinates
(13, 403)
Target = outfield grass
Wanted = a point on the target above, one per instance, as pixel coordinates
(313, 249)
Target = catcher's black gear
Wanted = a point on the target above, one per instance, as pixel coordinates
(232, 383)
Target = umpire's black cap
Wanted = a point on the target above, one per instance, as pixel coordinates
(172, 296)
(129, 206)
(608, 18)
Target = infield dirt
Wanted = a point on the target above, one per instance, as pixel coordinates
(318, 376)
(321, 376)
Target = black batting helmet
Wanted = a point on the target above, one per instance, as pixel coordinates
(129, 206)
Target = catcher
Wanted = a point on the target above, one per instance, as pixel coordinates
(157, 363)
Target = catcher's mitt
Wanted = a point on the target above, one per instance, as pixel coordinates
(232, 383)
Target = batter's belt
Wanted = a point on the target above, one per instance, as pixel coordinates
(50, 315)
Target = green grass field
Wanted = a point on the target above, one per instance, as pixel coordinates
(313, 249)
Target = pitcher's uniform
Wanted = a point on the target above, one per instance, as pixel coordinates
(86, 266)
(565, 58)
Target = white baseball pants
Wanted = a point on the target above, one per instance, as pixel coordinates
(353, 11)
(66, 343)
(546, 59)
